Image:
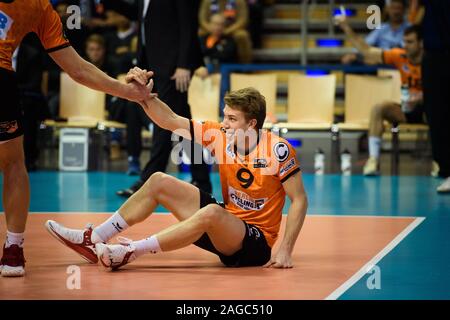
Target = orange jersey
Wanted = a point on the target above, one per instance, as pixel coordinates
(23, 16)
(411, 74)
(251, 184)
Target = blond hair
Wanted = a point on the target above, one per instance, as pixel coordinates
(250, 102)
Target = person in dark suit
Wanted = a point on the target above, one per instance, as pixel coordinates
(168, 45)
(435, 78)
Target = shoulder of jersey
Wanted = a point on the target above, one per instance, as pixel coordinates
(281, 149)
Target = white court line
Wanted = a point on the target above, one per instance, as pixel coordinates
(369, 265)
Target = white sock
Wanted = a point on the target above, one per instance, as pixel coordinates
(13, 238)
(149, 245)
(108, 229)
(374, 146)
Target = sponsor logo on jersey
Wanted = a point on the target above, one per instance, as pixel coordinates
(260, 163)
(244, 201)
(5, 25)
(405, 67)
(281, 151)
(288, 166)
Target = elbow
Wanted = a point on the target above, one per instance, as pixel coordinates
(77, 74)
(305, 201)
(301, 201)
(80, 72)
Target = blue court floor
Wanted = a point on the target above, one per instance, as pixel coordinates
(417, 268)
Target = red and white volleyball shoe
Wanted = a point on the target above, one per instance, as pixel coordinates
(78, 240)
(12, 263)
(114, 256)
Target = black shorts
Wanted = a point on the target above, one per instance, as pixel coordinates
(11, 114)
(254, 252)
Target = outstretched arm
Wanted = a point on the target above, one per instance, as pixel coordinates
(372, 55)
(89, 75)
(296, 216)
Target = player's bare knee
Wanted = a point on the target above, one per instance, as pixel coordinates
(377, 110)
(210, 216)
(11, 163)
(155, 182)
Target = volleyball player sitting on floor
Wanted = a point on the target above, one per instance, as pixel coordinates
(408, 63)
(257, 169)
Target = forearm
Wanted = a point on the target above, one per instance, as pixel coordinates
(294, 223)
(160, 113)
(371, 55)
(92, 77)
(356, 41)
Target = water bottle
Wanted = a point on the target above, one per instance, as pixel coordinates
(346, 163)
(319, 162)
(405, 98)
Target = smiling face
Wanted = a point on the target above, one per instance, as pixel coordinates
(234, 120)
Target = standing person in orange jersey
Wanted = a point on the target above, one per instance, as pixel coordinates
(17, 18)
(408, 62)
(257, 170)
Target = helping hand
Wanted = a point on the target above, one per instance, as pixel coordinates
(138, 89)
(138, 75)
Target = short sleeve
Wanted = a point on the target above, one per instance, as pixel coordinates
(50, 29)
(206, 133)
(393, 56)
(288, 164)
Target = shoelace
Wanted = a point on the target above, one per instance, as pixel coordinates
(75, 236)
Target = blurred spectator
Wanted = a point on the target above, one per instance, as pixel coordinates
(216, 46)
(121, 49)
(95, 18)
(436, 80)
(119, 44)
(408, 62)
(390, 34)
(236, 15)
(96, 54)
